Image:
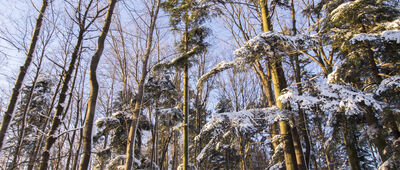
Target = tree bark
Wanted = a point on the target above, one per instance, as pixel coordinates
(138, 104)
(279, 82)
(301, 162)
(25, 111)
(349, 141)
(186, 97)
(56, 121)
(94, 89)
(21, 75)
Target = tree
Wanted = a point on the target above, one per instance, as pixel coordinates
(191, 15)
(139, 97)
(56, 120)
(94, 88)
(23, 70)
(361, 55)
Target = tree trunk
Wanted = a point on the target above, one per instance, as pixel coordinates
(25, 111)
(243, 165)
(138, 104)
(301, 163)
(278, 79)
(186, 97)
(56, 121)
(297, 148)
(21, 75)
(94, 89)
(349, 141)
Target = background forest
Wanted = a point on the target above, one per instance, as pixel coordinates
(200, 84)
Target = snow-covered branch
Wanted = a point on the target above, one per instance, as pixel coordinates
(266, 44)
(388, 36)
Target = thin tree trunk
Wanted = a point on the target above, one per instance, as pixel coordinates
(301, 163)
(350, 143)
(38, 142)
(77, 117)
(71, 146)
(22, 130)
(138, 104)
(243, 165)
(94, 89)
(21, 75)
(175, 151)
(278, 79)
(56, 121)
(186, 95)
(297, 148)
(165, 150)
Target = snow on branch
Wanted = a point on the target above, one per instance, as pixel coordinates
(107, 121)
(388, 83)
(245, 122)
(388, 36)
(274, 44)
(178, 61)
(333, 98)
(342, 10)
(222, 66)
(265, 44)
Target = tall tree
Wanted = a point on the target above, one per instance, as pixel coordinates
(94, 89)
(279, 82)
(21, 75)
(81, 19)
(190, 15)
(139, 96)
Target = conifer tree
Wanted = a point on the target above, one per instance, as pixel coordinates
(187, 17)
(361, 58)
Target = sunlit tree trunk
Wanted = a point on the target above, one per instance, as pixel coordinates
(58, 115)
(140, 92)
(278, 79)
(301, 163)
(94, 89)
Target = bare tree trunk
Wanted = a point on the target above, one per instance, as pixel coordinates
(186, 95)
(301, 163)
(138, 104)
(22, 130)
(242, 153)
(94, 89)
(71, 146)
(77, 116)
(175, 150)
(56, 121)
(350, 143)
(165, 150)
(21, 75)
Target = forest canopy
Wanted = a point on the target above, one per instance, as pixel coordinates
(200, 84)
